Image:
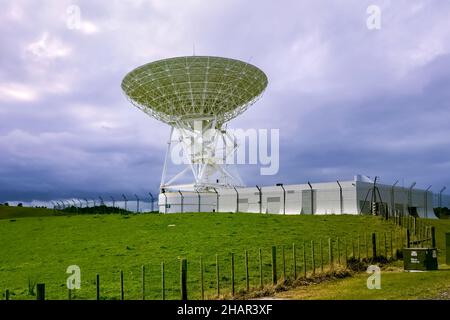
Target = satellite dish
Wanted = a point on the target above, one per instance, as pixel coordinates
(197, 95)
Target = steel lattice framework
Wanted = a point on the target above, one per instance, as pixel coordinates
(184, 91)
(193, 87)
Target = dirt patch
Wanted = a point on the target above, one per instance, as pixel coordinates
(443, 295)
(269, 292)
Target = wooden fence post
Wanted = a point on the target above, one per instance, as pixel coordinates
(321, 256)
(312, 258)
(40, 291)
(183, 279)
(284, 263)
(143, 282)
(345, 252)
(374, 245)
(202, 289)
(433, 237)
(359, 247)
(294, 260)
(330, 253)
(402, 238)
(392, 247)
(232, 274)
(260, 270)
(408, 239)
(217, 275)
(163, 282)
(385, 246)
(247, 279)
(274, 265)
(121, 286)
(304, 258)
(366, 245)
(6, 294)
(338, 251)
(97, 283)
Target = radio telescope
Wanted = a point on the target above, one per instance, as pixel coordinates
(196, 96)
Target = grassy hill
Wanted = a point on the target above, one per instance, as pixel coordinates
(7, 212)
(40, 248)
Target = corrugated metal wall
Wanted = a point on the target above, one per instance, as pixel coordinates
(324, 198)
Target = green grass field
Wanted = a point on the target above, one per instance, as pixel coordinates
(7, 212)
(40, 248)
(395, 285)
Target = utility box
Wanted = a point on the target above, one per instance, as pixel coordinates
(420, 259)
(447, 248)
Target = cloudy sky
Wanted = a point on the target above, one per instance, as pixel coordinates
(346, 99)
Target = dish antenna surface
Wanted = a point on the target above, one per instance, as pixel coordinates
(196, 96)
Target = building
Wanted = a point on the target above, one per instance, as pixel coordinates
(346, 197)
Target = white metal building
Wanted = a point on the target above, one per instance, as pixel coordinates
(346, 197)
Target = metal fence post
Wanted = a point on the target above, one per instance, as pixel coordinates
(274, 265)
(374, 245)
(40, 291)
(183, 279)
(97, 284)
(232, 274)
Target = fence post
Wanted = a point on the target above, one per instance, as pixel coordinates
(183, 279)
(433, 237)
(385, 246)
(353, 248)
(69, 294)
(163, 282)
(359, 247)
(143, 282)
(345, 252)
(284, 263)
(321, 255)
(312, 258)
(338, 251)
(402, 238)
(6, 294)
(330, 253)
(374, 245)
(392, 247)
(294, 260)
(202, 289)
(121, 285)
(247, 279)
(274, 265)
(40, 291)
(232, 274)
(408, 238)
(260, 269)
(304, 258)
(366, 246)
(217, 275)
(97, 283)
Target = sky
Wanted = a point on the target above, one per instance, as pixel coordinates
(347, 99)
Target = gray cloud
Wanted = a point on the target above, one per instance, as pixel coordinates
(347, 100)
